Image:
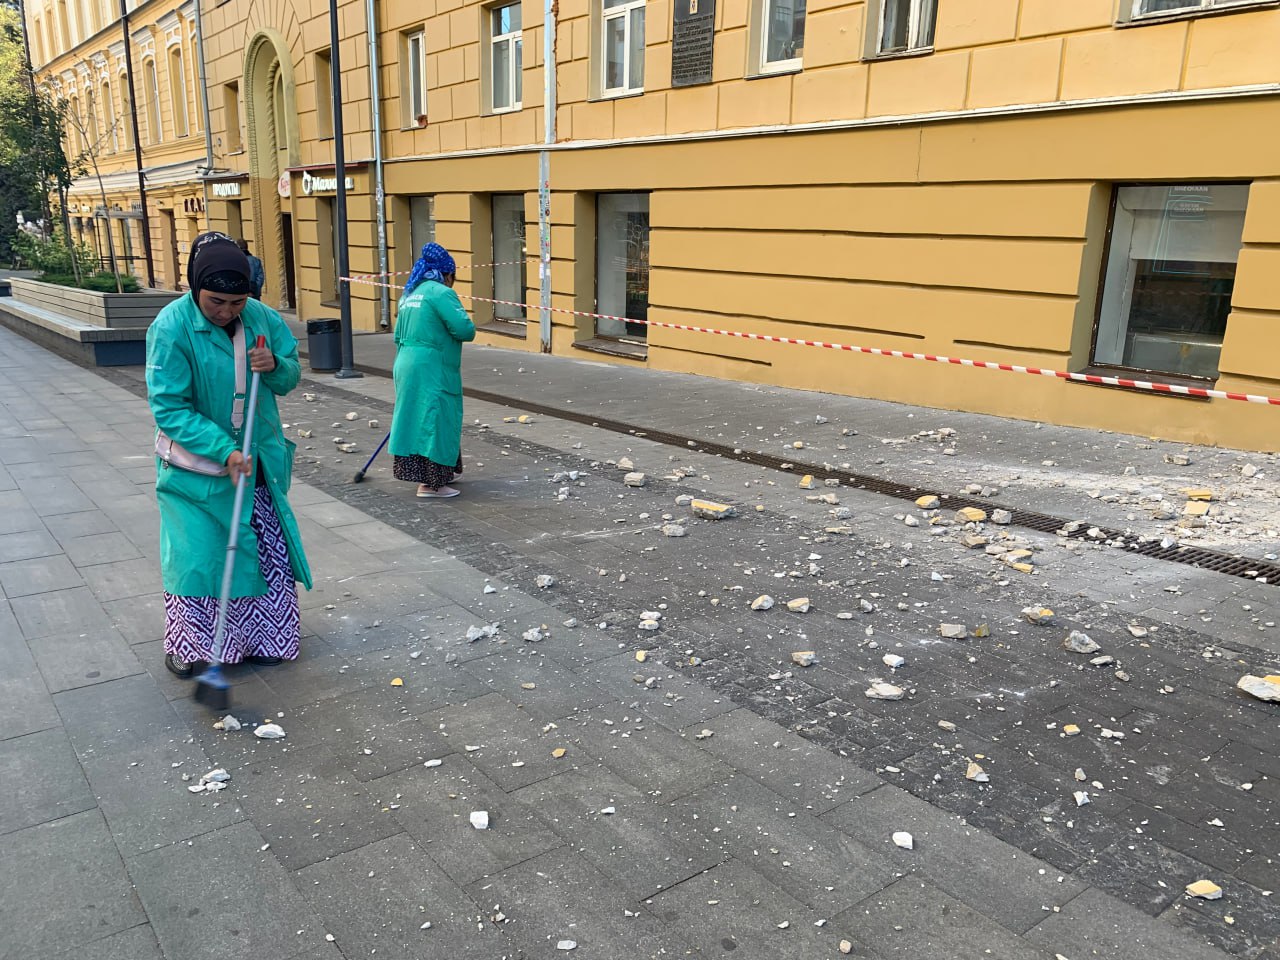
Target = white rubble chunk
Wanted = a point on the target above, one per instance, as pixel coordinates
(1263, 688)
(1078, 642)
(953, 631)
(879, 690)
(976, 773)
(648, 625)
(269, 731)
(625, 464)
(893, 661)
(635, 479)
(228, 723)
(673, 530)
(1038, 615)
(480, 819)
(1082, 797)
(804, 658)
(352, 416)
(1205, 890)
(219, 775)
(762, 602)
(567, 945)
(798, 605)
(947, 725)
(532, 635)
(711, 510)
(904, 840)
(434, 762)
(545, 581)
(475, 633)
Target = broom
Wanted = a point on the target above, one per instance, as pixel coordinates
(212, 688)
(359, 478)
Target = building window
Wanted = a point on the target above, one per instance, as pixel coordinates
(781, 35)
(510, 278)
(324, 95)
(414, 93)
(113, 122)
(506, 57)
(37, 45)
(422, 223)
(1170, 271)
(153, 102)
(278, 120)
(622, 264)
(623, 46)
(231, 116)
(905, 26)
(126, 113)
(327, 252)
(91, 120)
(178, 93)
(1147, 8)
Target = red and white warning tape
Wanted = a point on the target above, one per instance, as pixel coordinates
(1147, 385)
(371, 277)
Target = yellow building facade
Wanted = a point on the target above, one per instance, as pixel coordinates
(1091, 186)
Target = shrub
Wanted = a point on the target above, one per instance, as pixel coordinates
(101, 282)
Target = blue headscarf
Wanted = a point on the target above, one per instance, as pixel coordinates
(434, 263)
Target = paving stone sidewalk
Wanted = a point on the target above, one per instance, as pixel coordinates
(681, 820)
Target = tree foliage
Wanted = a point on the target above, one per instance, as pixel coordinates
(33, 164)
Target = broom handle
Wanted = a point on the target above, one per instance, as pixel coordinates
(228, 566)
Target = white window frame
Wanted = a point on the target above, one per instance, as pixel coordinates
(915, 29)
(415, 100)
(512, 39)
(178, 91)
(1132, 10)
(151, 80)
(767, 66)
(607, 15)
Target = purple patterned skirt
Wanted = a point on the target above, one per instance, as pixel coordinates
(419, 469)
(265, 626)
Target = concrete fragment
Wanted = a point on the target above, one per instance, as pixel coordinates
(798, 605)
(673, 530)
(970, 515)
(1195, 508)
(976, 773)
(1198, 493)
(893, 661)
(480, 819)
(928, 502)
(953, 631)
(973, 541)
(947, 725)
(544, 581)
(762, 602)
(1001, 517)
(1082, 797)
(269, 731)
(625, 464)
(1038, 615)
(904, 840)
(804, 658)
(981, 631)
(1071, 730)
(352, 416)
(806, 482)
(635, 479)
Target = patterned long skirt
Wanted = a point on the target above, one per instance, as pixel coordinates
(427, 472)
(266, 626)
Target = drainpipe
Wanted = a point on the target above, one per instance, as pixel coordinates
(204, 110)
(544, 170)
(379, 191)
(137, 145)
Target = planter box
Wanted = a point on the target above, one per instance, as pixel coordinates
(111, 311)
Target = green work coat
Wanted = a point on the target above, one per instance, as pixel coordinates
(431, 327)
(191, 383)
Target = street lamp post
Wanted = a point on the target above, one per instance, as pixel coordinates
(347, 369)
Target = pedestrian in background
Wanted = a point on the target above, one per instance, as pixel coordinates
(431, 327)
(257, 273)
(192, 351)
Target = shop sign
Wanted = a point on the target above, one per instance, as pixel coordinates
(193, 205)
(228, 189)
(284, 186)
(312, 184)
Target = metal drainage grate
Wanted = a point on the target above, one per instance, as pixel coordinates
(1247, 568)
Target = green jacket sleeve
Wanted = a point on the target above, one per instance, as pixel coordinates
(455, 317)
(170, 392)
(288, 369)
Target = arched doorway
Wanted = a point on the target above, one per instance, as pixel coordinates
(272, 126)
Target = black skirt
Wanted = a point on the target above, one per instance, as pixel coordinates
(418, 469)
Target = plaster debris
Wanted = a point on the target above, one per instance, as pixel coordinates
(893, 661)
(347, 448)
(1263, 688)
(798, 605)
(1001, 517)
(481, 633)
(1082, 797)
(545, 581)
(558, 752)
(374, 424)
(625, 464)
(904, 840)
(1138, 630)
(806, 482)
(1071, 730)
(846, 946)
(635, 479)
(804, 658)
(879, 690)
(533, 635)
(947, 725)
(928, 502)
(976, 773)
(953, 631)
(397, 681)
(704, 735)
(228, 723)
(305, 434)
(673, 530)
(309, 397)
(269, 731)
(762, 602)
(480, 819)
(648, 625)
(710, 510)
(1038, 615)
(352, 416)
(489, 588)
(642, 656)
(1205, 890)
(970, 515)
(1078, 642)
(433, 763)
(1080, 777)
(567, 945)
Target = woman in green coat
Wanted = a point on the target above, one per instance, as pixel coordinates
(431, 327)
(191, 387)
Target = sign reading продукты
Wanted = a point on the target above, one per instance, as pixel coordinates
(692, 42)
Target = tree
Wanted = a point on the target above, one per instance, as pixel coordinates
(33, 163)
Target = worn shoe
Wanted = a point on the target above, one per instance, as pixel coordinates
(263, 661)
(438, 494)
(180, 668)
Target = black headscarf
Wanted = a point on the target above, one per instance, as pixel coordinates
(218, 264)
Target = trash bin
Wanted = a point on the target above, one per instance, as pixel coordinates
(324, 348)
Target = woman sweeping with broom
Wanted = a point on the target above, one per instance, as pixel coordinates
(199, 351)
